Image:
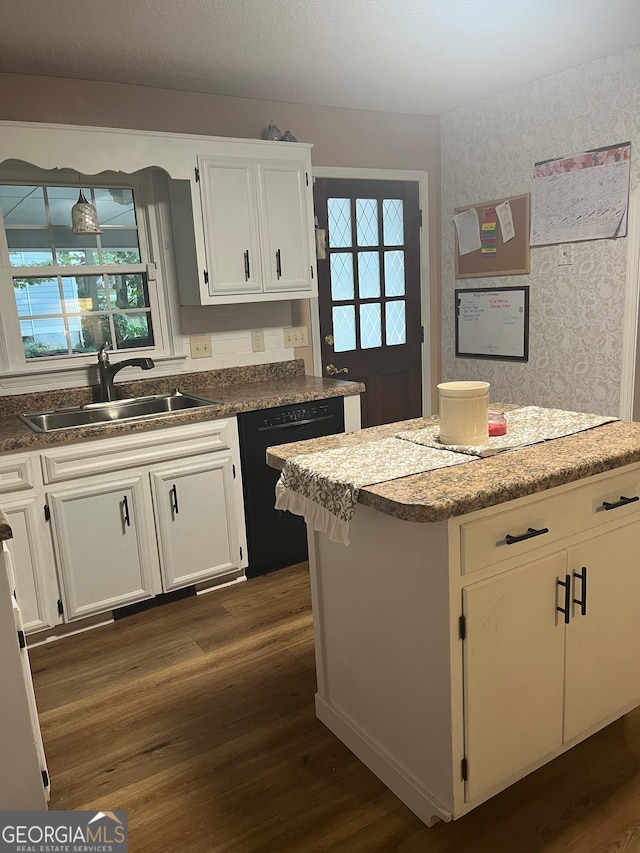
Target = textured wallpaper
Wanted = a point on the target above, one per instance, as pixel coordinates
(576, 311)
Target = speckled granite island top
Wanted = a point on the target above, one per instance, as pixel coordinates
(480, 483)
(231, 391)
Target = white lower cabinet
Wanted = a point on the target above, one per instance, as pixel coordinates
(104, 543)
(166, 513)
(603, 646)
(528, 667)
(35, 575)
(197, 539)
(513, 672)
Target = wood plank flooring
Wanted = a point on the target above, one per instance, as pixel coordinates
(198, 718)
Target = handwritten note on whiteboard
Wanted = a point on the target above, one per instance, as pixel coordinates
(493, 323)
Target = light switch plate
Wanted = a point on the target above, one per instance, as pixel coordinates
(296, 336)
(200, 346)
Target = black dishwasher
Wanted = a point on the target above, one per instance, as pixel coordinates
(275, 538)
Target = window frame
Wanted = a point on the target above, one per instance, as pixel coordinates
(13, 363)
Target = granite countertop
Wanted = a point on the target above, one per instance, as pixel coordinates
(232, 391)
(480, 483)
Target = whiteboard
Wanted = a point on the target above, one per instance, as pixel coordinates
(493, 323)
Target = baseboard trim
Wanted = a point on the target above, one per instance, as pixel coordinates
(406, 788)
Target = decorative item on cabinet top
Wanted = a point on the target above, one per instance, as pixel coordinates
(272, 132)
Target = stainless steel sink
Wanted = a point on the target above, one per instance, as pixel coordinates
(117, 410)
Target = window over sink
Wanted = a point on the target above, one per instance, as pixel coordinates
(64, 295)
(75, 292)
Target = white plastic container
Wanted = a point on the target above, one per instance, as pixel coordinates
(464, 412)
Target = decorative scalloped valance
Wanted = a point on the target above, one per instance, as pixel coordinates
(91, 150)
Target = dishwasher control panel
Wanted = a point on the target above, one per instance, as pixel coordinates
(299, 413)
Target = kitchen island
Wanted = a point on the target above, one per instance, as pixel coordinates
(484, 618)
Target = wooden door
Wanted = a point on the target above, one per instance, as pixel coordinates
(197, 529)
(369, 292)
(513, 673)
(603, 646)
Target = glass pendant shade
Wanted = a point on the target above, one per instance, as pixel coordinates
(84, 217)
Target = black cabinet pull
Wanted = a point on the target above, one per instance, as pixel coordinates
(581, 602)
(531, 532)
(622, 502)
(278, 264)
(125, 509)
(247, 268)
(566, 583)
(173, 499)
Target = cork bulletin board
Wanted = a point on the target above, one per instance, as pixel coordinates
(512, 257)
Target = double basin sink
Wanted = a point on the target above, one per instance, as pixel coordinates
(117, 410)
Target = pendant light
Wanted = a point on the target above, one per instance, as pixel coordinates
(84, 216)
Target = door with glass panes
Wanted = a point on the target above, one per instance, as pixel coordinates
(369, 292)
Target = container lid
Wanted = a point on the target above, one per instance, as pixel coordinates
(463, 389)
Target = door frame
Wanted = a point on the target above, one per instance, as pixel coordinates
(630, 374)
(422, 179)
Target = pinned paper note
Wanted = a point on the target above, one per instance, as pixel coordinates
(468, 230)
(505, 217)
(489, 237)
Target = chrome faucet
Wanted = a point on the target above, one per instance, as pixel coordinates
(107, 371)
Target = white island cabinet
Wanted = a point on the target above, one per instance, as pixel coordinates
(457, 656)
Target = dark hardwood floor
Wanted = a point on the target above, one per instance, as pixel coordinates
(198, 718)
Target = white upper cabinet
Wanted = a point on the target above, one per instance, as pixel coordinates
(230, 220)
(257, 222)
(286, 263)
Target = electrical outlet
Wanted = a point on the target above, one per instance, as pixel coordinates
(200, 346)
(257, 340)
(296, 336)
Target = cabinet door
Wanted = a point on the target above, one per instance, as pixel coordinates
(21, 782)
(513, 672)
(229, 213)
(285, 229)
(195, 514)
(104, 544)
(603, 646)
(31, 696)
(33, 565)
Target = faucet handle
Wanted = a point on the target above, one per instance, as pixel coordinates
(103, 355)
